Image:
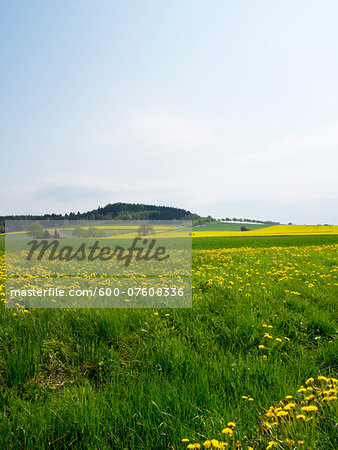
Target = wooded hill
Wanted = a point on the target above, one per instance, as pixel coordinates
(118, 211)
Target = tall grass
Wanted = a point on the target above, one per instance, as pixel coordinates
(130, 379)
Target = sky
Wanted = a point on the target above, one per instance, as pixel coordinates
(226, 108)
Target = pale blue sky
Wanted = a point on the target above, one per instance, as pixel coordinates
(228, 108)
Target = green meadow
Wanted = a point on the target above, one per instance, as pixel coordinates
(228, 226)
(263, 322)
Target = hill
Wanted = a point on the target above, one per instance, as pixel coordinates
(118, 211)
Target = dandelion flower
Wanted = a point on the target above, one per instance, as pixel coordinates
(282, 413)
(309, 408)
(321, 378)
(289, 406)
(228, 431)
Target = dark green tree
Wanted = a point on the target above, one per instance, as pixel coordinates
(145, 229)
(36, 230)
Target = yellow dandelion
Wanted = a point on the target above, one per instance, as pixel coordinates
(289, 406)
(268, 336)
(321, 378)
(282, 413)
(329, 399)
(228, 431)
(309, 408)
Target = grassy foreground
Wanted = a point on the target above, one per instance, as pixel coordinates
(263, 324)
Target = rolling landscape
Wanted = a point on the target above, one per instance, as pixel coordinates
(252, 365)
(169, 225)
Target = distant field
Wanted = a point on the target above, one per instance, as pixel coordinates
(228, 226)
(262, 241)
(275, 230)
(213, 230)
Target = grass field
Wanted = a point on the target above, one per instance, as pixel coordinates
(244, 360)
(228, 226)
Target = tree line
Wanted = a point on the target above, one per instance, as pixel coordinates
(113, 211)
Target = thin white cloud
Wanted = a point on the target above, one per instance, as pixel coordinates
(161, 133)
(325, 139)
